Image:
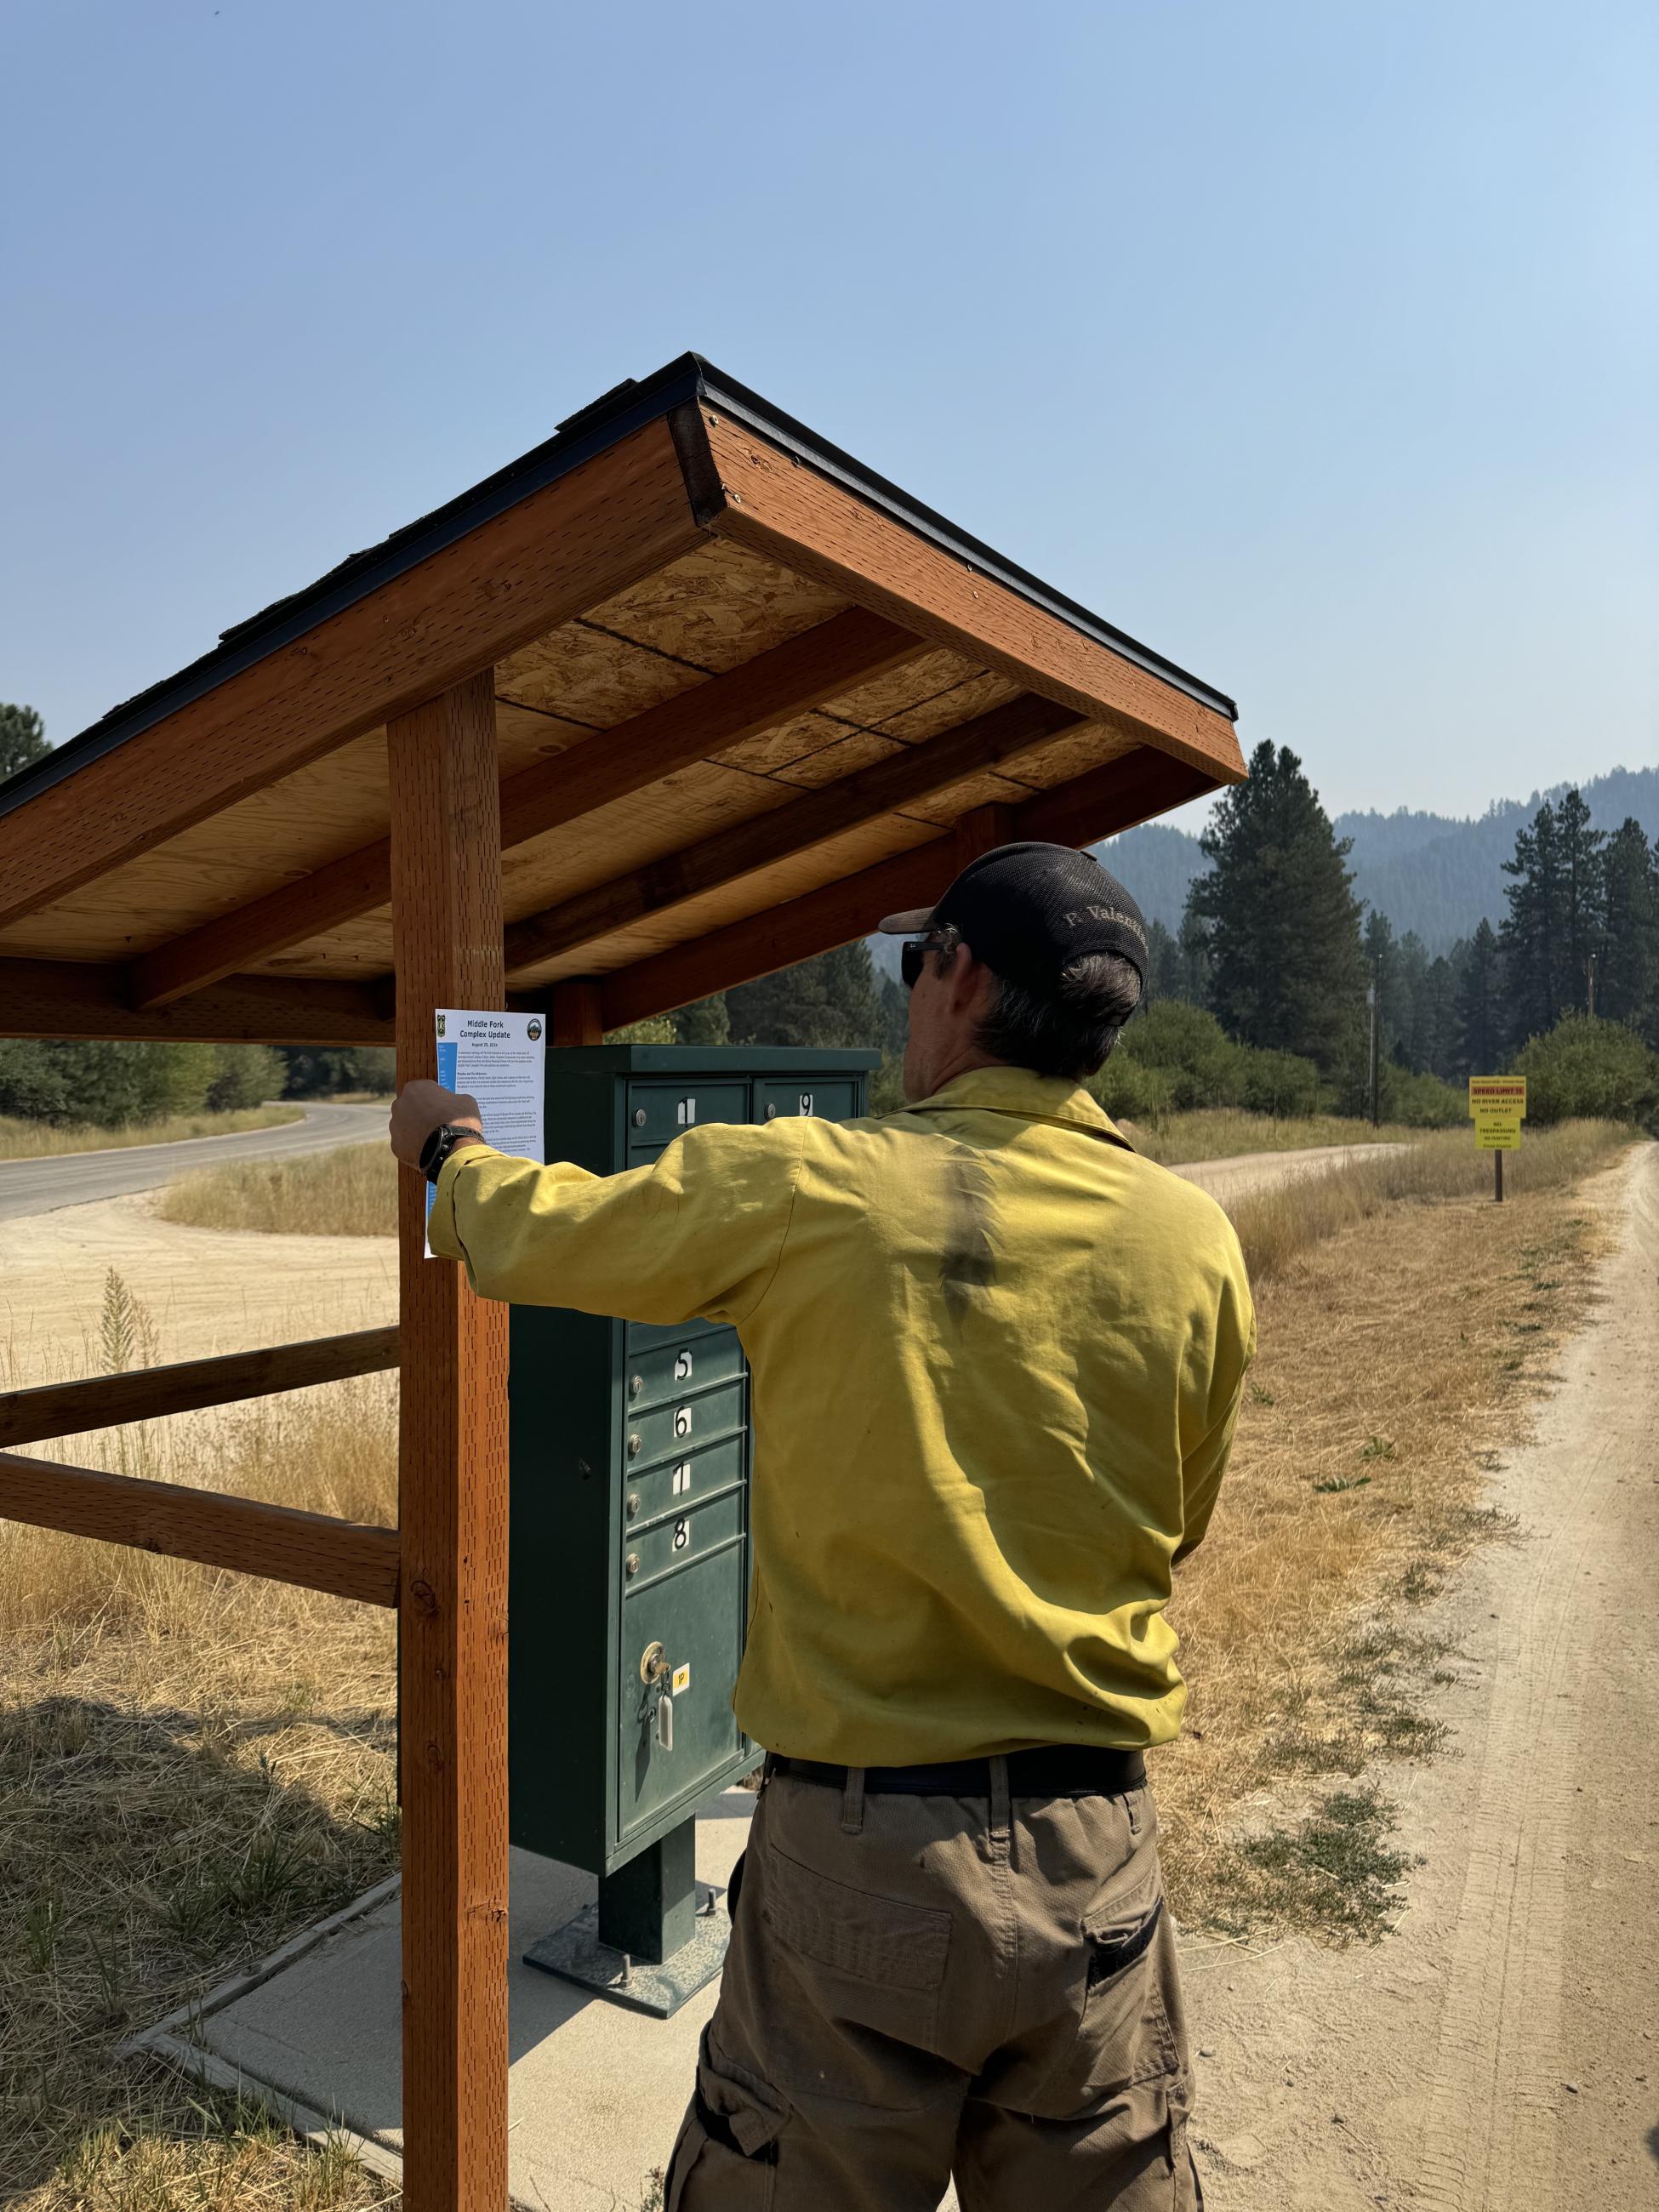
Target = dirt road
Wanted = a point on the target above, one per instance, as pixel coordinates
(1500, 2052)
(28, 1187)
(1244, 1172)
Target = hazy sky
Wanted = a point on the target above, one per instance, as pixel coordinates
(1316, 345)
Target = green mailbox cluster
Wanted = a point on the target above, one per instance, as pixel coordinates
(631, 1451)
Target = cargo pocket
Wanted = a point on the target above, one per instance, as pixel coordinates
(726, 2157)
(868, 1970)
(1124, 2036)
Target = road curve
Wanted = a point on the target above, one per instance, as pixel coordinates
(79, 1178)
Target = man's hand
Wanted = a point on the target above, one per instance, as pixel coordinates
(421, 1107)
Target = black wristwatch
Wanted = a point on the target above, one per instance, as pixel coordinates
(440, 1143)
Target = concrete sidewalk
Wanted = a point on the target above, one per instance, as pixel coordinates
(596, 2090)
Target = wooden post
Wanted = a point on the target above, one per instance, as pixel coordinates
(981, 831)
(452, 1490)
(578, 1016)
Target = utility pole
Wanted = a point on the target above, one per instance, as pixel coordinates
(1589, 977)
(1370, 1000)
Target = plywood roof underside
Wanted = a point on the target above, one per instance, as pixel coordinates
(632, 876)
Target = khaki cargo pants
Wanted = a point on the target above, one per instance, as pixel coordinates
(923, 1987)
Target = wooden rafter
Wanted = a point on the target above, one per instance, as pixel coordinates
(1094, 805)
(90, 999)
(760, 498)
(922, 772)
(773, 688)
(567, 547)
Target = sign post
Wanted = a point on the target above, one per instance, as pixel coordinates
(1497, 1106)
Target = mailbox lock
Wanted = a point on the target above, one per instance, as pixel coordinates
(639, 1117)
(635, 1384)
(634, 1447)
(771, 1113)
(633, 1503)
(631, 1566)
(653, 1663)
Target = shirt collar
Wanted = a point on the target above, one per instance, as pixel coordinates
(1030, 1097)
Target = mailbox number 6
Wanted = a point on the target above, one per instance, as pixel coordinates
(682, 1420)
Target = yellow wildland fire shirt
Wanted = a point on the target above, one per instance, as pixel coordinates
(997, 1361)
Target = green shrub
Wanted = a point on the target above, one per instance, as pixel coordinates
(1591, 1069)
(1176, 1058)
(1421, 1102)
(246, 1075)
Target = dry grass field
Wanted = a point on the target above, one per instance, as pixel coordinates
(39, 1140)
(349, 1192)
(192, 1766)
(1221, 1132)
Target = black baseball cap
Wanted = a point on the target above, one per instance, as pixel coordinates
(1028, 911)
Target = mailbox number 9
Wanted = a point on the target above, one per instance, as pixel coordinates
(682, 1420)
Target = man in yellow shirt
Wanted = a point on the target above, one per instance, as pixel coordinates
(997, 1361)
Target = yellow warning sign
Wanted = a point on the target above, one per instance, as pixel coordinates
(1505, 1094)
(1498, 1133)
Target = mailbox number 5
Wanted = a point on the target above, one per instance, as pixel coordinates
(682, 1420)
(683, 1367)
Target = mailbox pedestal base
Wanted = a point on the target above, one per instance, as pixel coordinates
(655, 1936)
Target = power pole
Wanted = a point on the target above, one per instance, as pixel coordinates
(1370, 1000)
(1589, 974)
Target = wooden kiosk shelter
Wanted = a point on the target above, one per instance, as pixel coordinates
(683, 695)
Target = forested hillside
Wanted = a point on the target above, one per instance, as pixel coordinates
(1432, 875)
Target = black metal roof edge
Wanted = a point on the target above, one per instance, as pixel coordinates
(583, 435)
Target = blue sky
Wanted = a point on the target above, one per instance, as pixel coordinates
(1317, 345)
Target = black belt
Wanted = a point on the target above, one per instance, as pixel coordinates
(1047, 1769)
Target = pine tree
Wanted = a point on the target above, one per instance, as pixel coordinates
(1382, 966)
(1537, 983)
(1413, 982)
(1434, 1024)
(1164, 965)
(705, 1021)
(1583, 894)
(1481, 1024)
(828, 1000)
(1627, 973)
(22, 738)
(1287, 970)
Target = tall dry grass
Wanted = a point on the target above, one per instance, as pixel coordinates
(1277, 1224)
(191, 1765)
(1223, 1133)
(351, 1191)
(40, 1140)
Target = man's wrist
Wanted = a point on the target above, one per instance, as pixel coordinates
(442, 1143)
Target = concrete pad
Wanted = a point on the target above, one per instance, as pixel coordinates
(596, 2091)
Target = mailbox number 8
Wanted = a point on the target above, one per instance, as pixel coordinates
(682, 1420)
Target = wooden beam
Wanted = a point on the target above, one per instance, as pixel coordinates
(452, 1486)
(1096, 805)
(981, 831)
(766, 500)
(744, 848)
(84, 999)
(773, 688)
(342, 1558)
(569, 546)
(578, 1015)
(105, 1402)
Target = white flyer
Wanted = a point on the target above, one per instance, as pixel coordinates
(500, 1059)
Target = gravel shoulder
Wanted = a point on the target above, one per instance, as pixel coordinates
(1498, 2049)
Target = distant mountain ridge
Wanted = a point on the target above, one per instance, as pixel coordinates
(1431, 872)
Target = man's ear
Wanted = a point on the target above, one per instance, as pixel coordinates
(969, 980)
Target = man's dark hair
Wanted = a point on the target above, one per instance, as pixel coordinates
(1068, 1031)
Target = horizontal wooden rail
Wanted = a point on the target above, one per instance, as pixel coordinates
(342, 1558)
(104, 1401)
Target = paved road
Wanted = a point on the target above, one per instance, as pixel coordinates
(78, 1178)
